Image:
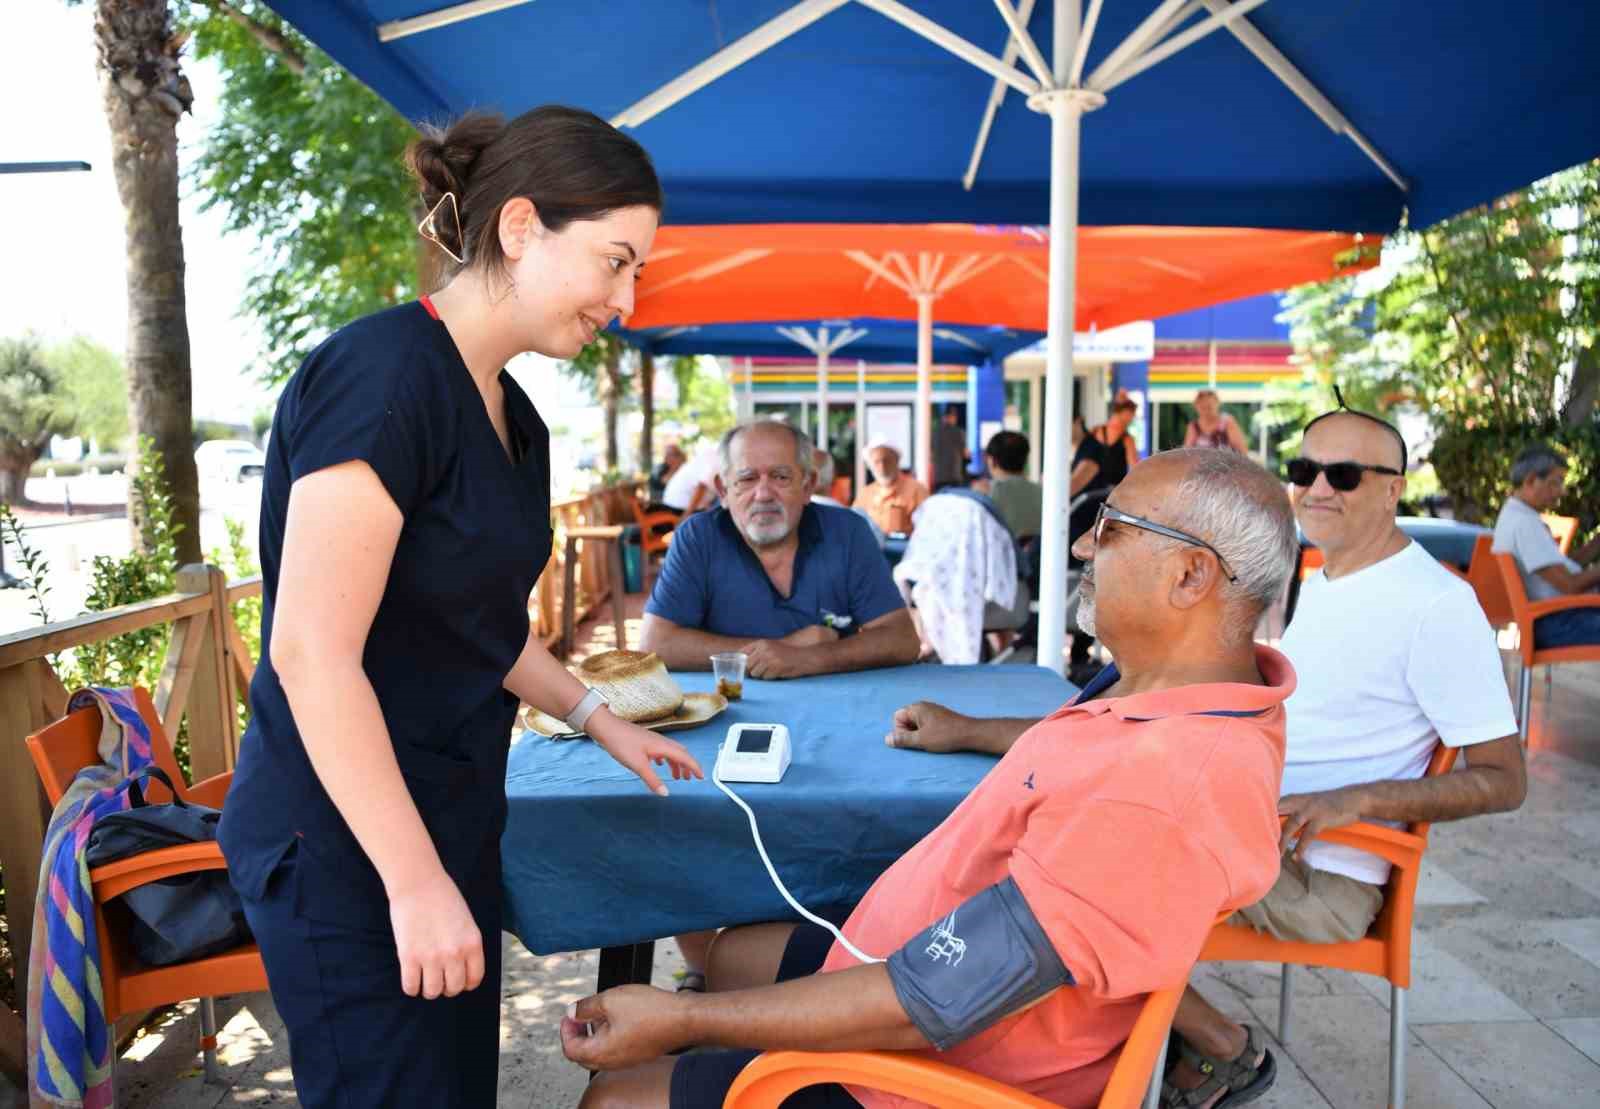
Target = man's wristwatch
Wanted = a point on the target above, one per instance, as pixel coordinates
(579, 716)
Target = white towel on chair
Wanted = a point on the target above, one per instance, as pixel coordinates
(960, 558)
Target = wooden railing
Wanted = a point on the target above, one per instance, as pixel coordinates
(207, 669)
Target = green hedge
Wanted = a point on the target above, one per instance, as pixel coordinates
(1474, 467)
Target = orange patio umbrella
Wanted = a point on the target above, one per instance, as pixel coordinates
(968, 274)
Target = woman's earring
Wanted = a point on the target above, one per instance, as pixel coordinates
(429, 229)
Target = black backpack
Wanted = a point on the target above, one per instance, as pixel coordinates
(187, 916)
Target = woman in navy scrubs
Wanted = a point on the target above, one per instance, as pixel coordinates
(405, 519)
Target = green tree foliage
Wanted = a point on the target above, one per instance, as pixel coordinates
(1488, 322)
(33, 407)
(95, 378)
(307, 160)
(606, 369)
(705, 408)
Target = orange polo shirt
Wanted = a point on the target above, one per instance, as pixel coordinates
(1128, 825)
(891, 506)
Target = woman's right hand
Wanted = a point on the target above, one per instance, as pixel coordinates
(440, 947)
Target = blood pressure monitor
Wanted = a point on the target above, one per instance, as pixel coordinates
(753, 753)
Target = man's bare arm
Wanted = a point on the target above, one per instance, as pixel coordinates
(1495, 779)
(1568, 582)
(926, 726)
(851, 1010)
(685, 648)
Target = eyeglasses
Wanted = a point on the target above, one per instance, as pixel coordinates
(1343, 476)
(1110, 514)
(781, 478)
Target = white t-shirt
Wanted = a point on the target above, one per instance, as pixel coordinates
(680, 487)
(1390, 659)
(1523, 534)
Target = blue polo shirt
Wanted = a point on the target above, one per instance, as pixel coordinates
(713, 581)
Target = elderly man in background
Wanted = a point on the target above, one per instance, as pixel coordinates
(1394, 656)
(1538, 479)
(1083, 872)
(801, 588)
(894, 495)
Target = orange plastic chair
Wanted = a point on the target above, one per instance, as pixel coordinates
(1385, 951)
(1483, 574)
(773, 1076)
(1311, 560)
(840, 491)
(1525, 612)
(652, 542)
(1563, 528)
(59, 752)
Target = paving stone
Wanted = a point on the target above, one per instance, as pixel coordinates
(1523, 1065)
(1436, 887)
(1342, 1045)
(1541, 976)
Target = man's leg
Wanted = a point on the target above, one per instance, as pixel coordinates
(647, 1087)
(695, 946)
(1577, 628)
(747, 957)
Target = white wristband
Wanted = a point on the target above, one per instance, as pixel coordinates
(584, 709)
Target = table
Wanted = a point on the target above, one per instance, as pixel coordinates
(591, 859)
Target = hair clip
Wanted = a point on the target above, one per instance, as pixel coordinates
(429, 230)
(1338, 397)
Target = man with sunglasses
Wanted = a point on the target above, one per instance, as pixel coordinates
(1393, 656)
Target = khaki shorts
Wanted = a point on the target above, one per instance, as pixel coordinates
(1313, 906)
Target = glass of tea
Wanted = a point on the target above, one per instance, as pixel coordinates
(728, 666)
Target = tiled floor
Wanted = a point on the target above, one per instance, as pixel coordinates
(1505, 1004)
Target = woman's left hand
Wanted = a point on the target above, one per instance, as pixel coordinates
(636, 748)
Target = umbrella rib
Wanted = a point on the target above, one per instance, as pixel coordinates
(997, 95)
(959, 276)
(1217, 20)
(730, 57)
(1029, 48)
(862, 258)
(1080, 53)
(443, 17)
(1030, 267)
(949, 40)
(710, 269)
(1156, 24)
(1284, 70)
(899, 259)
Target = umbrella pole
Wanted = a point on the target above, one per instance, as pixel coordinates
(925, 385)
(822, 394)
(1065, 107)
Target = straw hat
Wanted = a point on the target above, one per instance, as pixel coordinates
(636, 684)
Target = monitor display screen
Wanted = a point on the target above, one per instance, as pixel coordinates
(754, 741)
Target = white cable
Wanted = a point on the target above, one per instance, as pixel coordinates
(755, 831)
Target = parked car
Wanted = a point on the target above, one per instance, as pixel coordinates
(229, 460)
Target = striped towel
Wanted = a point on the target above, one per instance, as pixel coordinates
(70, 1042)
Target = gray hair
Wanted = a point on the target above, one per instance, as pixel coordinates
(802, 443)
(1536, 460)
(1242, 511)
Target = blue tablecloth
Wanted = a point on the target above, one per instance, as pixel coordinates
(591, 859)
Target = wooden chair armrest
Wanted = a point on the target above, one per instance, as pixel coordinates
(116, 879)
(608, 531)
(211, 792)
(770, 1077)
(1563, 604)
(652, 519)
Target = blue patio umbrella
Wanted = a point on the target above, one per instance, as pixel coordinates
(1306, 114)
(866, 340)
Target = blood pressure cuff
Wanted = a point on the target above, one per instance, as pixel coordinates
(986, 960)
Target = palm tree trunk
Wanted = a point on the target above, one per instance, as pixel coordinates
(647, 406)
(145, 93)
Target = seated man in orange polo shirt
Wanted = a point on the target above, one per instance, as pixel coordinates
(1022, 935)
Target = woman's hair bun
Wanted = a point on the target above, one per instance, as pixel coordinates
(441, 159)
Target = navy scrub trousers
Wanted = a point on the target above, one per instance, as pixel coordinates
(392, 391)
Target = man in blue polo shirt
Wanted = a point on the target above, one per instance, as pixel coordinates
(800, 587)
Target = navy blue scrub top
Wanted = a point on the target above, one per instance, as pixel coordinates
(391, 390)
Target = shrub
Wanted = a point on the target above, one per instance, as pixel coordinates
(1474, 467)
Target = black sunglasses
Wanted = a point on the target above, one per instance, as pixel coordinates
(1117, 516)
(1343, 476)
